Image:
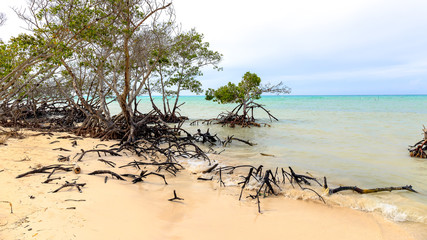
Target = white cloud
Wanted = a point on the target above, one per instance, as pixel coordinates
(380, 73)
(13, 25)
(400, 79)
(247, 31)
(347, 44)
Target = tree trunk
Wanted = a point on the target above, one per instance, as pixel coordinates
(152, 101)
(244, 110)
(176, 101)
(123, 97)
(163, 91)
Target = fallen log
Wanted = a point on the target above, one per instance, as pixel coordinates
(365, 191)
(372, 190)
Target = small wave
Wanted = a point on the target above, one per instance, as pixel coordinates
(390, 211)
(194, 165)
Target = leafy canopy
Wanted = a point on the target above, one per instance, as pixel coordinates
(189, 54)
(247, 89)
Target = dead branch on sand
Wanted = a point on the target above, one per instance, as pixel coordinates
(73, 184)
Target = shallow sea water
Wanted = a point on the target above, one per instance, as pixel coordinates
(352, 140)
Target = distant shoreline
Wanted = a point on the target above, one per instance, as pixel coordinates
(331, 95)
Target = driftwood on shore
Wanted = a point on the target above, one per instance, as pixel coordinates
(113, 174)
(365, 191)
(269, 183)
(144, 174)
(109, 163)
(98, 151)
(72, 184)
(175, 197)
(55, 167)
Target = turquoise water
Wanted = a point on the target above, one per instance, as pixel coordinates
(352, 140)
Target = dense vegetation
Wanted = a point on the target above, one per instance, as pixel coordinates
(81, 55)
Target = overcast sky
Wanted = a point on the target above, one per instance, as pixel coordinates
(315, 47)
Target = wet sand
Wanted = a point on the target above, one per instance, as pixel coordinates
(122, 210)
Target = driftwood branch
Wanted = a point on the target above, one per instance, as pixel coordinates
(99, 151)
(144, 174)
(110, 163)
(365, 191)
(211, 168)
(45, 169)
(113, 174)
(175, 197)
(62, 149)
(229, 139)
(51, 179)
(73, 184)
(205, 179)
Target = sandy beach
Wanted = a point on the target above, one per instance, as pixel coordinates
(122, 210)
(275, 120)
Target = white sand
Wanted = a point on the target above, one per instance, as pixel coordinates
(122, 210)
